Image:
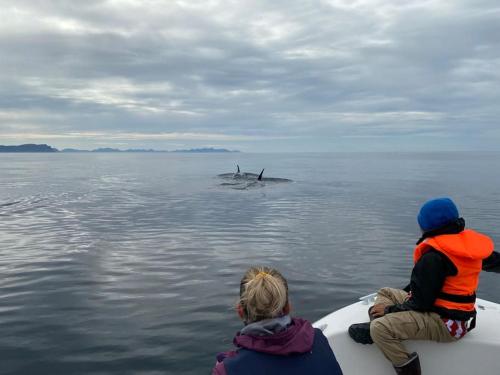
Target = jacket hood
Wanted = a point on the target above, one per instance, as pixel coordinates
(297, 338)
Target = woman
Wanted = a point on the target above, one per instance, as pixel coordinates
(272, 342)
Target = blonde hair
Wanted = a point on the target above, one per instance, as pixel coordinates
(263, 294)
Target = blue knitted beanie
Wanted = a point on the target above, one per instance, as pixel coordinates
(436, 213)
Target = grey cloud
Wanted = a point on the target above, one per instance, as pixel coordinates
(313, 69)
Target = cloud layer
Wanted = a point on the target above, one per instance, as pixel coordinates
(256, 75)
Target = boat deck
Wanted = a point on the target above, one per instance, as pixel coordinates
(477, 353)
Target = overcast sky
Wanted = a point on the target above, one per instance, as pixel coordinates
(275, 75)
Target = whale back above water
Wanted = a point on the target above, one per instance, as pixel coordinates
(245, 180)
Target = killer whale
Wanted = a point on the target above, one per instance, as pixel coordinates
(260, 175)
(231, 174)
(244, 180)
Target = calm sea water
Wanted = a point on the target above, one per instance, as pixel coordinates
(130, 263)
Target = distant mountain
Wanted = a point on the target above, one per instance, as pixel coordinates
(143, 150)
(192, 150)
(47, 148)
(28, 148)
(205, 150)
(73, 150)
(107, 149)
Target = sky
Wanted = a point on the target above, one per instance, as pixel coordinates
(256, 76)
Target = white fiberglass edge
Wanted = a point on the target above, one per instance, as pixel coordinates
(477, 353)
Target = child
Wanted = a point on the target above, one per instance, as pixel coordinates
(272, 342)
(438, 304)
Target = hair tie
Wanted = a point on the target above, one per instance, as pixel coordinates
(262, 274)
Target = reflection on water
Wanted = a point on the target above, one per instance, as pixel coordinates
(126, 264)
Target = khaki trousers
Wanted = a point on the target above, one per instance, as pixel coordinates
(388, 331)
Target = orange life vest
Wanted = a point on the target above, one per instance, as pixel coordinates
(466, 250)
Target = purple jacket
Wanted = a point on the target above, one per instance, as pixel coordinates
(296, 339)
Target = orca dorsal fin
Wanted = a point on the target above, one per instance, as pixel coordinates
(260, 175)
(238, 167)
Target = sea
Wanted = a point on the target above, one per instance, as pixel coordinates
(129, 263)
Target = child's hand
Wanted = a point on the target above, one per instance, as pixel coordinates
(377, 310)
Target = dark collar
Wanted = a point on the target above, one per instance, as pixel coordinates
(453, 227)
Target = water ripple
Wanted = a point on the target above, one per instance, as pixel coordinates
(116, 264)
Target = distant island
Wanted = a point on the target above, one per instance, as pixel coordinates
(108, 149)
(28, 148)
(192, 150)
(210, 149)
(47, 148)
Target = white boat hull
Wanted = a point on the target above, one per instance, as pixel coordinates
(477, 353)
